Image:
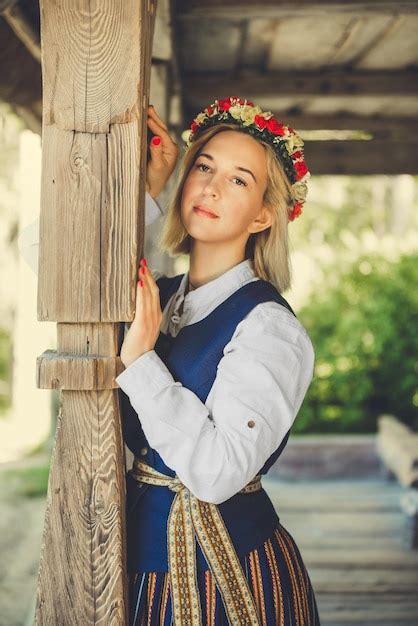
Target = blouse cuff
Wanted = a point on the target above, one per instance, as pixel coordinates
(148, 372)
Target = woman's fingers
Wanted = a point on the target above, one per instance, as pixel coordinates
(153, 114)
(163, 157)
(158, 127)
(167, 141)
(150, 290)
(144, 299)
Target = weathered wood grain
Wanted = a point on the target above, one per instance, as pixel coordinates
(96, 70)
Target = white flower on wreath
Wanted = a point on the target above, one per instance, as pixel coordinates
(200, 118)
(235, 111)
(293, 142)
(248, 114)
(300, 190)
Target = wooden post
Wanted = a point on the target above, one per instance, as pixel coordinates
(96, 59)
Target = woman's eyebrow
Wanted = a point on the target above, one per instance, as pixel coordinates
(243, 169)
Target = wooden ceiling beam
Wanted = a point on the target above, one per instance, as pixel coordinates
(13, 14)
(375, 124)
(248, 9)
(359, 158)
(201, 86)
(21, 79)
(348, 121)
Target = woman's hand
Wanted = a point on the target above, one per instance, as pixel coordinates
(145, 328)
(163, 155)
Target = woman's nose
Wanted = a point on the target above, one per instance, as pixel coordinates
(211, 188)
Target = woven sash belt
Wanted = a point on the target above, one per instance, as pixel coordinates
(191, 518)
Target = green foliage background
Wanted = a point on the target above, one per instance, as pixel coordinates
(364, 331)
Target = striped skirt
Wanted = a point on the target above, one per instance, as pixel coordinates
(277, 577)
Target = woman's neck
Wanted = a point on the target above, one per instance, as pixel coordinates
(206, 263)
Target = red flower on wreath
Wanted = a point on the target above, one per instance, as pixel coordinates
(301, 169)
(275, 127)
(296, 155)
(260, 121)
(296, 211)
(194, 127)
(224, 105)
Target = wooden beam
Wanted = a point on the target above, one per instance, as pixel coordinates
(22, 27)
(94, 124)
(295, 117)
(376, 124)
(360, 158)
(20, 80)
(200, 87)
(248, 9)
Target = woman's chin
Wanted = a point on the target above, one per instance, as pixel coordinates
(195, 225)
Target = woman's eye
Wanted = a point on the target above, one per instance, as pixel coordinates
(204, 165)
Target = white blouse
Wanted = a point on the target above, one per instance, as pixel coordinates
(218, 446)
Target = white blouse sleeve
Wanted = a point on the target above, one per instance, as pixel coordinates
(28, 240)
(218, 446)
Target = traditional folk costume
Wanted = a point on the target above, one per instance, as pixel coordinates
(216, 399)
(206, 413)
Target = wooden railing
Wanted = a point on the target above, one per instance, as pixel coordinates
(397, 446)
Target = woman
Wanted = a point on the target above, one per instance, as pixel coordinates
(217, 366)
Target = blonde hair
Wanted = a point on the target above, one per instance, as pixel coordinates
(268, 249)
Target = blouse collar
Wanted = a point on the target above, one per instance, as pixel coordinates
(214, 290)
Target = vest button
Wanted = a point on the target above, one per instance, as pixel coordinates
(251, 424)
(144, 451)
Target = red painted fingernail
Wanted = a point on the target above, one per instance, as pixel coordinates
(156, 141)
(141, 283)
(144, 262)
(142, 270)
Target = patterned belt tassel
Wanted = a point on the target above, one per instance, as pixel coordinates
(190, 518)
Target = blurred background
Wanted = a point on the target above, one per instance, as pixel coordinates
(349, 85)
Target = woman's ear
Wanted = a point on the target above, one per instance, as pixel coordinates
(263, 220)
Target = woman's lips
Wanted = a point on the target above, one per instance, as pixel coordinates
(204, 213)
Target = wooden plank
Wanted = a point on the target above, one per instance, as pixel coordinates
(96, 70)
(349, 536)
(306, 120)
(348, 608)
(22, 27)
(361, 158)
(334, 495)
(397, 445)
(365, 558)
(81, 572)
(232, 9)
(360, 581)
(356, 526)
(200, 87)
(22, 88)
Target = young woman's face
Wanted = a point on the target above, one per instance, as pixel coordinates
(217, 182)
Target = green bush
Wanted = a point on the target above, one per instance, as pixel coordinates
(364, 331)
(29, 482)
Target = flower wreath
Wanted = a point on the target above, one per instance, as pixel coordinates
(286, 143)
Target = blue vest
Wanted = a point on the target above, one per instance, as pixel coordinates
(192, 358)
